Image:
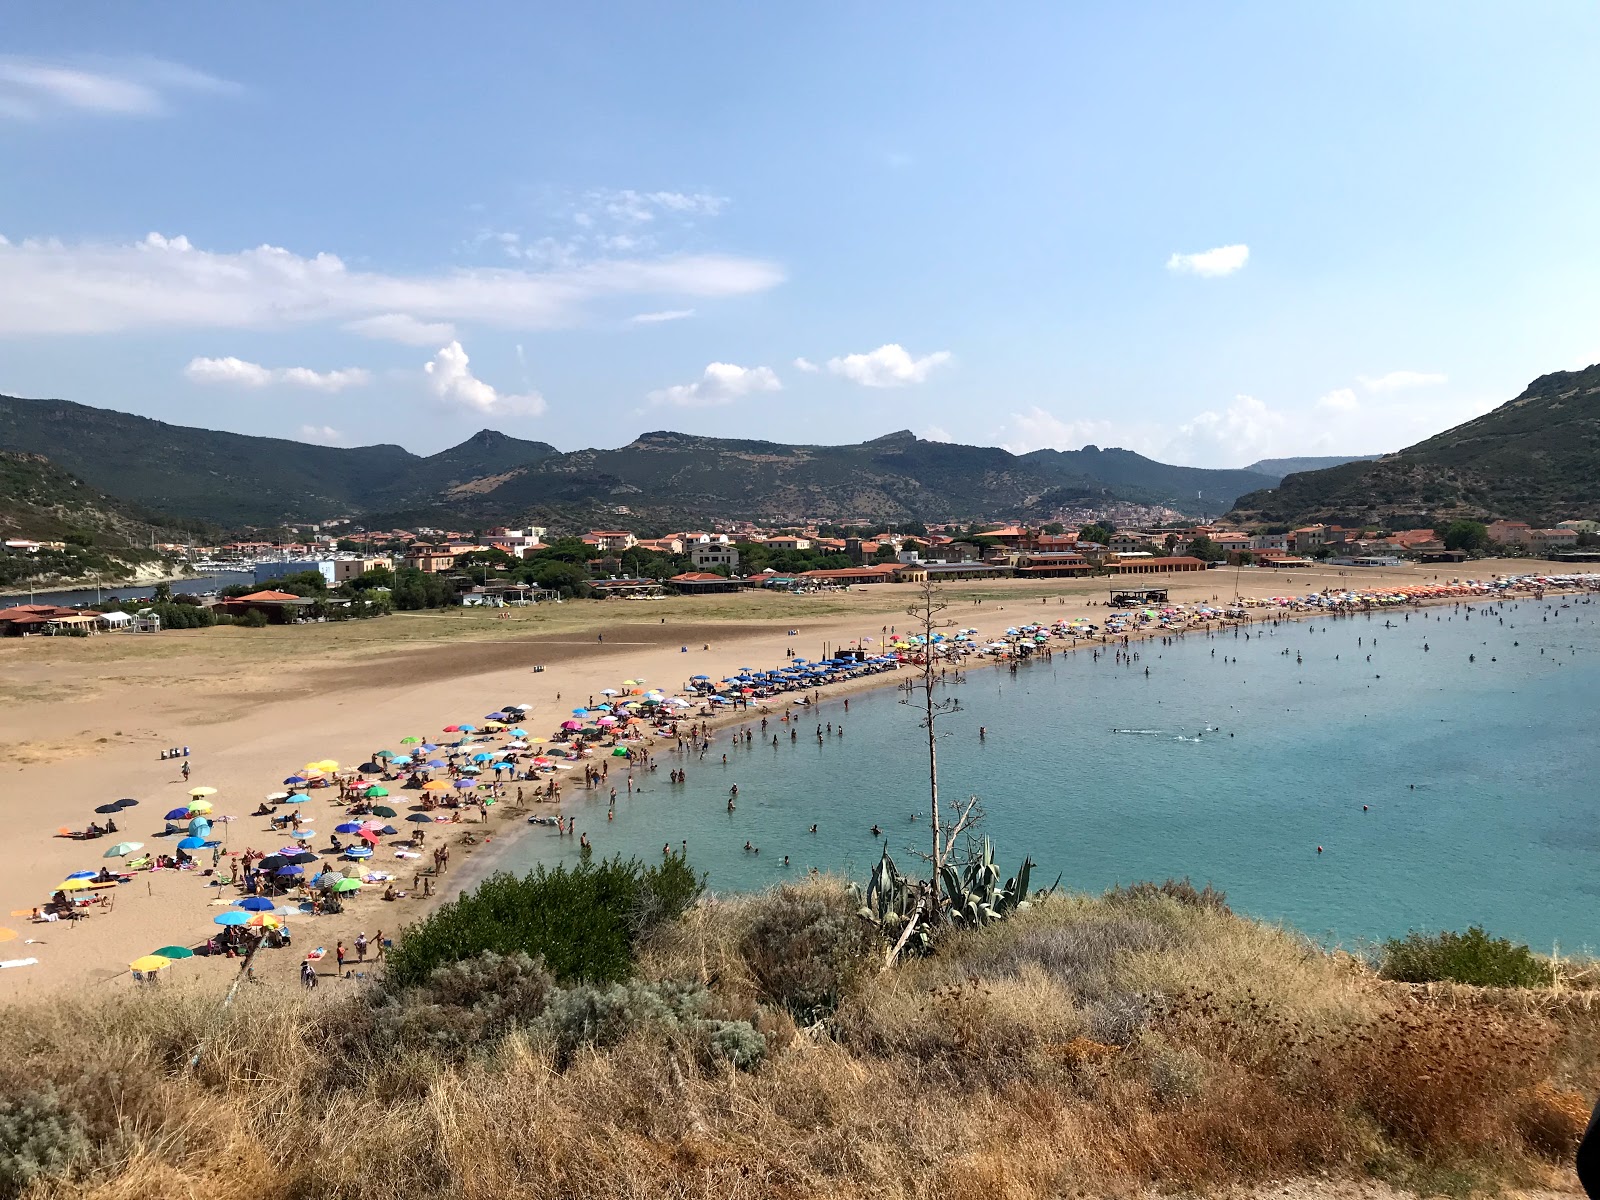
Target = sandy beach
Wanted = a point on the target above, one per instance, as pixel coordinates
(85, 721)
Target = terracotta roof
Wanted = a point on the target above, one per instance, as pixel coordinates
(268, 595)
(698, 577)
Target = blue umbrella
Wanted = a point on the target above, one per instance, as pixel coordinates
(358, 852)
(348, 827)
(192, 843)
(481, 757)
(295, 800)
(580, 712)
(500, 716)
(231, 918)
(81, 875)
(255, 904)
(705, 677)
(290, 870)
(437, 764)
(428, 747)
(199, 825)
(294, 781)
(177, 814)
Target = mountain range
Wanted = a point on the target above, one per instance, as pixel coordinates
(1535, 458)
(661, 478)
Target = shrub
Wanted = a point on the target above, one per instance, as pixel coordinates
(1179, 890)
(1082, 953)
(1472, 957)
(585, 922)
(737, 1041)
(804, 947)
(39, 1138)
(602, 1016)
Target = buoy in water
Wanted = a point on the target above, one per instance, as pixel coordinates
(1319, 849)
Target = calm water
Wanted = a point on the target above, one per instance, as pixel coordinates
(1477, 776)
(205, 583)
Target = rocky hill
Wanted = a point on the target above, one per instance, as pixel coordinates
(1535, 458)
(664, 477)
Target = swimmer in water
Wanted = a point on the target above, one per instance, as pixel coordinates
(876, 832)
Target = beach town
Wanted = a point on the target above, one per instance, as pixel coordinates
(284, 819)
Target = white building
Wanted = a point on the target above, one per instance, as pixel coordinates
(706, 555)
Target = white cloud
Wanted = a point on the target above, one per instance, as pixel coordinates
(403, 328)
(34, 88)
(722, 383)
(452, 380)
(656, 318)
(1224, 260)
(55, 287)
(1341, 399)
(322, 435)
(806, 365)
(936, 433)
(1037, 429)
(1396, 380)
(239, 373)
(630, 207)
(887, 366)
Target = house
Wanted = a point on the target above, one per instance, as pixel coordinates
(966, 570)
(1125, 540)
(1232, 543)
(701, 583)
(613, 540)
(713, 554)
(1269, 541)
(788, 542)
(346, 569)
(1050, 564)
(1545, 541)
(1153, 565)
(670, 544)
(278, 607)
(845, 576)
(1510, 533)
(24, 619)
(1309, 538)
(429, 560)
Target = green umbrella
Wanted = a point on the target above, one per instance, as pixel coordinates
(173, 952)
(347, 885)
(410, 741)
(382, 810)
(383, 754)
(375, 790)
(122, 848)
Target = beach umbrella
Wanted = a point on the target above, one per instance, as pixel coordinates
(294, 781)
(270, 862)
(109, 808)
(199, 808)
(420, 819)
(300, 856)
(358, 852)
(428, 747)
(82, 875)
(126, 803)
(192, 843)
(202, 791)
(495, 716)
(296, 799)
(375, 792)
(464, 783)
(436, 785)
(150, 962)
(609, 692)
(291, 869)
(327, 879)
(377, 754)
(177, 814)
(122, 848)
(620, 752)
(347, 885)
(231, 918)
(255, 904)
(383, 810)
(572, 724)
(409, 741)
(468, 771)
(370, 768)
(303, 835)
(481, 757)
(368, 836)
(388, 831)
(437, 764)
(452, 729)
(74, 885)
(348, 827)
(518, 733)
(265, 921)
(199, 825)
(174, 952)
(468, 728)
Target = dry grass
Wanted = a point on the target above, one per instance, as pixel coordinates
(1082, 1047)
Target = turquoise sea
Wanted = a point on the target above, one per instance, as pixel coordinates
(1252, 753)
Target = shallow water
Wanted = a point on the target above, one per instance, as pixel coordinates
(1234, 772)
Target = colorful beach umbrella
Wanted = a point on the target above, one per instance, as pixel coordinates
(122, 848)
(202, 791)
(174, 952)
(177, 814)
(199, 808)
(74, 885)
(150, 962)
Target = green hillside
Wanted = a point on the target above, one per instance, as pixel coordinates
(1534, 459)
(236, 479)
(1277, 468)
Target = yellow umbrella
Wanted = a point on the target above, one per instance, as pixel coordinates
(200, 806)
(74, 885)
(150, 962)
(202, 791)
(327, 764)
(264, 920)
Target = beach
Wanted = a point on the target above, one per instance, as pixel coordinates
(85, 722)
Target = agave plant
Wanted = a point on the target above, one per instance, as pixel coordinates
(892, 899)
(975, 896)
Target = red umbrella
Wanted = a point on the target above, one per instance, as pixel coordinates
(368, 836)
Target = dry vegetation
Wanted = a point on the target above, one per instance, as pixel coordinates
(1087, 1046)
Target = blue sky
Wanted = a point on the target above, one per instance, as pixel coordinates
(1208, 233)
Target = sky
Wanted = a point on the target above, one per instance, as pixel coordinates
(1207, 233)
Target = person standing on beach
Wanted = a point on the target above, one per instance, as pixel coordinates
(338, 954)
(361, 947)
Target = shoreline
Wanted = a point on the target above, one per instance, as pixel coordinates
(298, 704)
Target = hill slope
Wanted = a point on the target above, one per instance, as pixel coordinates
(40, 501)
(1279, 467)
(667, 477)
(1535, 459)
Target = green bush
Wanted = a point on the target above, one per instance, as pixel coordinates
(1471, 957)
(585, 922)
(39, 1138)
(804, 948)
(1181, 890)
